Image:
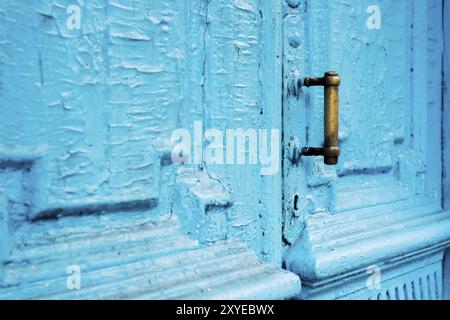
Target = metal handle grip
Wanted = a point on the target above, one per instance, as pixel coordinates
(330, 151)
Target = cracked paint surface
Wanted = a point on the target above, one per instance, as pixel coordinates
(86, 114)
(341, 219)
(446, 108)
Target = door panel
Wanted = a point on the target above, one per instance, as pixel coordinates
(381, 204)
(383, 106)
(390, 149)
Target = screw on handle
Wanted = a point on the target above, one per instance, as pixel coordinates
(330, 151)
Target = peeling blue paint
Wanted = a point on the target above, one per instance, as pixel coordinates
(86, 176)
(446, 107)
(86, 116)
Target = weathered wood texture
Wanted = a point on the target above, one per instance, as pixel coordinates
(86, 113)
(446, 107)
(383, 199)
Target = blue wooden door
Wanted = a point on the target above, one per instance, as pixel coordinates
(91, 205)
(360, 228)
(92, 91)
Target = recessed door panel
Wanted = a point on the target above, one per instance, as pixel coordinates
(388, 57)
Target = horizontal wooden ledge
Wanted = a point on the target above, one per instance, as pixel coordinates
(319, 260)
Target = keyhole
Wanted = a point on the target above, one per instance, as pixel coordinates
(296, 202)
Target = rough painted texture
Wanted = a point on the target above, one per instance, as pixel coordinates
(203, 205)
(157, 260)
(233, 82)
(85, 112)
(83, 104)
(446, 107)
(390, 152)
(446, 136)
(369, 207)
(86, 115)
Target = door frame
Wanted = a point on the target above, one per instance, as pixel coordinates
(446, 108)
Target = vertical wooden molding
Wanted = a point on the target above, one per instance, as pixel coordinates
(271, 79)
(446, 136)
(446, 276)
(446, 107)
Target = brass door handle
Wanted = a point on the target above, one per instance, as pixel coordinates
(330, 150)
